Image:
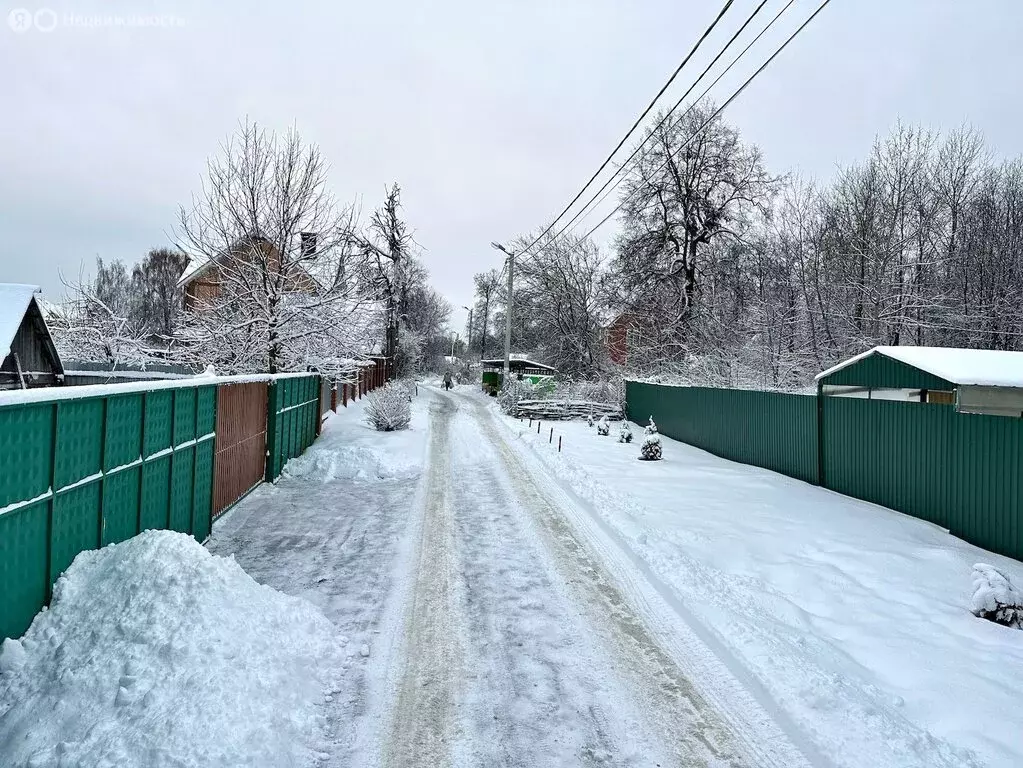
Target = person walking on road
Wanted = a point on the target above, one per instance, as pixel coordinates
(447, 380)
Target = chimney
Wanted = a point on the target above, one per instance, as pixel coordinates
(308, 247)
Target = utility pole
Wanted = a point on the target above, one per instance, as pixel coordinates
(508, 310)
(468, 332)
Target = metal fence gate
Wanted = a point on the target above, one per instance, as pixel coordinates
(240, 460)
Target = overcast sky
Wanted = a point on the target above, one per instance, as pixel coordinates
(489, 114)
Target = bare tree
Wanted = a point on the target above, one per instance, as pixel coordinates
(388, 245)
(488, 284)
(279, 255)
(561, 302)
(694, 183)
(156, 291)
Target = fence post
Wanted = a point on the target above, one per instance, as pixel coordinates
(821, 479)
(344, 393)
(333, 396)
(551, 439)
(271, 431)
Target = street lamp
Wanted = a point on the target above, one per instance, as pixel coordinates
(508, 310)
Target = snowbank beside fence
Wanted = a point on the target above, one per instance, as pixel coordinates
(856, 619)
(154, 652)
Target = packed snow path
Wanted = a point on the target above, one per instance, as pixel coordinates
(486, 629)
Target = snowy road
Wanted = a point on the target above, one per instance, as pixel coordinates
(485, 625)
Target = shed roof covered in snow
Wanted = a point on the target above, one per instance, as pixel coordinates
(519, 364)
(14, 301)
(28, 357)
(928, 367)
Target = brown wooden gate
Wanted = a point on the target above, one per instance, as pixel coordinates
(240, 458)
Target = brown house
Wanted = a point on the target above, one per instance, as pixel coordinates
(202, 282)
(619, 336)
(28, 357)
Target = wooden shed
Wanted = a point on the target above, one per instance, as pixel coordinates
(29, 357)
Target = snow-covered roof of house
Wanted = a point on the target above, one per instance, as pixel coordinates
(14, 301)
(970, 367)
(516, 361)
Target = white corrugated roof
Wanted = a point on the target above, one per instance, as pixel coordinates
(977, 367)
(14, 300)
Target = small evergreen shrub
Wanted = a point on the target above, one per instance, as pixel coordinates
(603, 427)
(650, 450)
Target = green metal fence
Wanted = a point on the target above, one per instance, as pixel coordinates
(82, 473)
(959, 471)
(293, 415)
(768, 429)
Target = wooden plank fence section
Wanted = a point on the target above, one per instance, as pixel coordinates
(240, 458)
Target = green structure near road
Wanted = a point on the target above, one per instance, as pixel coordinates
(520, 368)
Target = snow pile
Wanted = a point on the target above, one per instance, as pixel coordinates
(348, 449)
(994, 597)
(389, 408)
(329, 463)
(156, 653)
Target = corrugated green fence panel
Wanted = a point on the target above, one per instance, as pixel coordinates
(26, 452)
(79, 448)
(202, 505)
(23, 577)
(121, 505)
(206, 411)
(114, 465)
(293, 413)
(184, 415)
(76, 525)
(768, 429)
(182, 468)
(157, 429)
(959, 471)
(123, 431)
(155, 506)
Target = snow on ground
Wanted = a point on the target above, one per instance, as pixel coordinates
(856, 619)
(155, 653)
(334, 529)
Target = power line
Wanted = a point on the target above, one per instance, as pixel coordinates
(601, 192)
(635, 125)
(717, 112)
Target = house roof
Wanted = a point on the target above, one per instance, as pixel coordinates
(517, 362)
(196, 267)
(15, 299)
(970, 367)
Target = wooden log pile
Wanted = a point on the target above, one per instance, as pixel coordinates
(562, 410)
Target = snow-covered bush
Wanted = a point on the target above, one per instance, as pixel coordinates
(589, 420)
(625, 434)
(603, 427)
(650, 450)
(512, 391)
(994, 597)
(388, 408)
